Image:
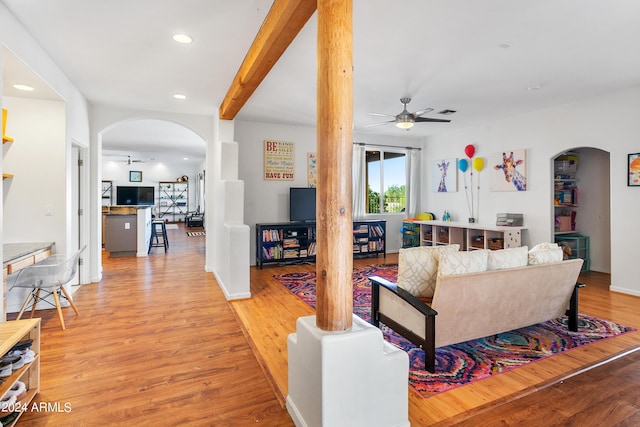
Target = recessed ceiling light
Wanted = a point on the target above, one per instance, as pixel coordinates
(180, 96)
(185, 158)
(26, 88)
(534, 87)
(182, 38)
(505, 45)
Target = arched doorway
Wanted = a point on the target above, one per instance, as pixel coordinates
(581, 198)
(162, 156)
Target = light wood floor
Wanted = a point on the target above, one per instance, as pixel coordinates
(270, 315)
(156, 343)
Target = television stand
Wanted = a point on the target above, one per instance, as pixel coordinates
(295, 242)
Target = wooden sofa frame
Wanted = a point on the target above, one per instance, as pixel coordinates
(428, 345)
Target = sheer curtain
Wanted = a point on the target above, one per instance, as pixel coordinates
(413, 183)
(359, 182)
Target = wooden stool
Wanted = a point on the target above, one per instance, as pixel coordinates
(160, 236)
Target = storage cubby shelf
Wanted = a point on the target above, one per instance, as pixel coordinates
(469, 236)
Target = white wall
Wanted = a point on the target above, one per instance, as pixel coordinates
(268, 201)
(75, 128)
(37, 158)
(608, 123)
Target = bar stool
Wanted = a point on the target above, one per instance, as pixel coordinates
(160, 236)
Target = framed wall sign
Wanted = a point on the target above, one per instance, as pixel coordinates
(279, 160)
(135, 176)
(633, 168)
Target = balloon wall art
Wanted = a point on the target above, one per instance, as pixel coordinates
(472, 164)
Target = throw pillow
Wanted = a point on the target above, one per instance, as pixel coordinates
(508, 258)
(418, 268)
(453, 263)
(545, 253)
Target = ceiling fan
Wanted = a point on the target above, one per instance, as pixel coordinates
(406, 120)
(128, 160)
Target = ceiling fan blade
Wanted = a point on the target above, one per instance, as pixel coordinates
(379, 124)
(382, 115)
(425, 119)
(421, 112)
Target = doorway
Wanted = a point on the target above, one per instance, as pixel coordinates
(581, 204)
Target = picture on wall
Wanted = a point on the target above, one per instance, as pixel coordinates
(135, 176)
(633, 167)
(444, 176)
(279, 160)
(312, 177)
(508, 171)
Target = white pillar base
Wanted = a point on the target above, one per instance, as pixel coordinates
(351, 378)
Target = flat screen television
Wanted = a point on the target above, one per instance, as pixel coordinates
(133, 196)
(302, 204)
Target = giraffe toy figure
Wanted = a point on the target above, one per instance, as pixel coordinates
(443, 166)
(508, 166)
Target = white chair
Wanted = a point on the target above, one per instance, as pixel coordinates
(49, 275)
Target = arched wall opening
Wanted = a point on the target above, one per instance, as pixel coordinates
(585, 195)
(109, 124)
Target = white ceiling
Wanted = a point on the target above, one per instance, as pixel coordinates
(486, 59)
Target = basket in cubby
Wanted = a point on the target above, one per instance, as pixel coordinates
(495, 243)
(477, 242)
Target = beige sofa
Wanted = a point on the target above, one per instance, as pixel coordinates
(474, 305)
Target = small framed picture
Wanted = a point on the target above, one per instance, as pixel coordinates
(633, 167)
(135, 176)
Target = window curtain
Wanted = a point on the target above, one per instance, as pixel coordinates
(359, 183)
(413, 183)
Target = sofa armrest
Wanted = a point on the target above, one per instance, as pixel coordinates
(415, 302)
(420, 330)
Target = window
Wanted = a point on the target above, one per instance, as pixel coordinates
(386, 181)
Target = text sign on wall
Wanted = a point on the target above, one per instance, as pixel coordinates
(279, 160)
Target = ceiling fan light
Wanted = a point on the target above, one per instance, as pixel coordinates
(404, 124)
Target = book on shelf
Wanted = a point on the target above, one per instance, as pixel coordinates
(290, 243)
(271, 235)
(291, 253)
(273, 252)
(361, 229)
(376, 246)
(376, 231)
(311, 249)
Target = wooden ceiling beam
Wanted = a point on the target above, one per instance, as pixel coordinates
(282, 24)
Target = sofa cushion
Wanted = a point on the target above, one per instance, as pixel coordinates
(508, 258)
(545, 253)
(418, 268)
(454, 263)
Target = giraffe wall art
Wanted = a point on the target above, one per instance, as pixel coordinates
(444, 176)
(509, 170)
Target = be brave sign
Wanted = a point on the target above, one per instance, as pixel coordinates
(279, 160)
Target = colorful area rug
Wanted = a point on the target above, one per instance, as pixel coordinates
(463, 363)
(195, 233)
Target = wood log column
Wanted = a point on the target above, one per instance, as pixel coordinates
(334, 237)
